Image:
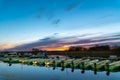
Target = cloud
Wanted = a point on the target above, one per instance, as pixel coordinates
(57, 21)
(82, 40)
(71, 7)
(75, 5)
(6, 46)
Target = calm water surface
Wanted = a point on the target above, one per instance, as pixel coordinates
(26, 72)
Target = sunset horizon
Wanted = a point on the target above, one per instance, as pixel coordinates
(57, 25)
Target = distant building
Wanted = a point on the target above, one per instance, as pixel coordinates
(27, 54)
(8, 54)
(112, 56)
(40, 55)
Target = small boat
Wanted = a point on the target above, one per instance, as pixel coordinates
(49, 62)
(66, 63)
(76, 63)
(83, 62)
(113, 66)
(90, 63)
(99, 65)
(35, 63)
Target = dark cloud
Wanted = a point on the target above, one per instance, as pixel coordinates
(71, 7)
(54, 41)
(57, 21)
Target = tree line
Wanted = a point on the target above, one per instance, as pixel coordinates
(95, 48)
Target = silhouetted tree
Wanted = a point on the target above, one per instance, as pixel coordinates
(75, 48)
(35, 51)
(100, 48)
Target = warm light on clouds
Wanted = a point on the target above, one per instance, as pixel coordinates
(56, 49)
(6, 46)
(60, 44)
(27, 24)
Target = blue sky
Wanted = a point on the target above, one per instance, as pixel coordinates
(29, 22)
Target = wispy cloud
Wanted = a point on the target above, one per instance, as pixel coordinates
(71, 7)
(82, 40)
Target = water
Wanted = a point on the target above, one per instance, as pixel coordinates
(26, 72)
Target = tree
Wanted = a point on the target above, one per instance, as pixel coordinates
(75, 48)
(35, 51)
(100, 48)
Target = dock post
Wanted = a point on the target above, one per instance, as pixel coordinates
(83, 65)
(54, 66)
(95, 69)
(72, 63)
(62, 65)
(10, 59)
(107, 69)
(107, 66)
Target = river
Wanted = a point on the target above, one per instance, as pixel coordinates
(29, 72)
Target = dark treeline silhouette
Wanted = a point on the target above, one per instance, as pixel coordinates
(95, 48)
(76, 48)
(100, 48)
(35, 51)
(78, 51)
(94, 51)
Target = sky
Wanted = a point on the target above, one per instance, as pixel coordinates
(58, 24)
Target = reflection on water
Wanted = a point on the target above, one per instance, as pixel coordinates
(25, 72)
(83, 71)
(62, 69)
(10, 64)
(72, 70)
(108, 73)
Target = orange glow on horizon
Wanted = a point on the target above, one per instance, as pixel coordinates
(6, 46)
(57, 49)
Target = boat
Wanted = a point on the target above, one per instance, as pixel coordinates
(100, 65)
(83, 62)
(90, 63)
(66, 63)
(113, 66)
(76, 63)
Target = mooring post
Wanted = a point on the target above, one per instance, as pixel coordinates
(95, 65)
(54, 62)
(54, 66)
(107, 66)
(72, 63)
(62, 63)
(82, 65)
(95, 70)
(107, 69)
